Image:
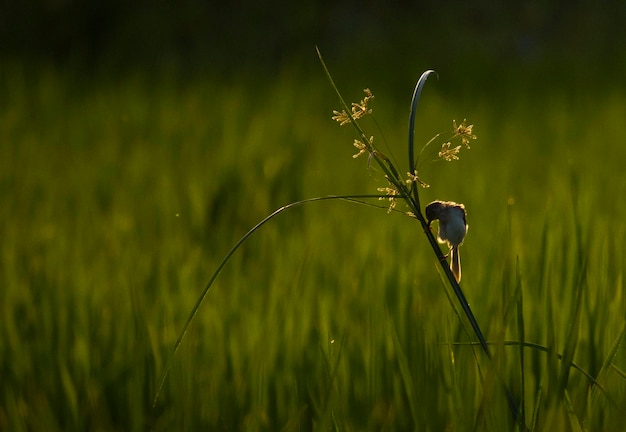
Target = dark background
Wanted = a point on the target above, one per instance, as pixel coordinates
(550, 42)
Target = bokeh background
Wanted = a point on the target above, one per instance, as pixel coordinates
(140, 140)
(475, 42)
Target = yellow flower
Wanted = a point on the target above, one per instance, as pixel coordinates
(358, 110)
(464, 131)
(449, 154)
(414, 178)
(361, 109)
(361, 147)
(391, 194)
(341, 117)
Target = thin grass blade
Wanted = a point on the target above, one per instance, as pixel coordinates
(414, 102)
(207, 287)
(609, 358)
(521, 335)
(405, 371)
(573, 332)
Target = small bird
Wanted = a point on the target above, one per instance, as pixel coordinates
(452, 229)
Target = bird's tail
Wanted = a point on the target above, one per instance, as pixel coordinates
(455, 263)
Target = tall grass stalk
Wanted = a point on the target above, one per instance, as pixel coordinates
(410, 195)
(412, 199)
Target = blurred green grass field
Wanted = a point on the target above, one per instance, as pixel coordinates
(119, 199)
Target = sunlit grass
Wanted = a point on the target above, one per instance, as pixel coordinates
(119, 200)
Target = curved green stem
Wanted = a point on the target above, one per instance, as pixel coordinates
(414, 101)
(435, 245)
(207, 287)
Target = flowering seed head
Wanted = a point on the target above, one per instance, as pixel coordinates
(391, 194)
(464, 131)
(449, 154)
(358, 110)
(361, 147)
(414, 178)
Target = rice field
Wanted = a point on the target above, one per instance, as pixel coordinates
(121, 197)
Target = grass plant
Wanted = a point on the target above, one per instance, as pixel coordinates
(119, 198)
